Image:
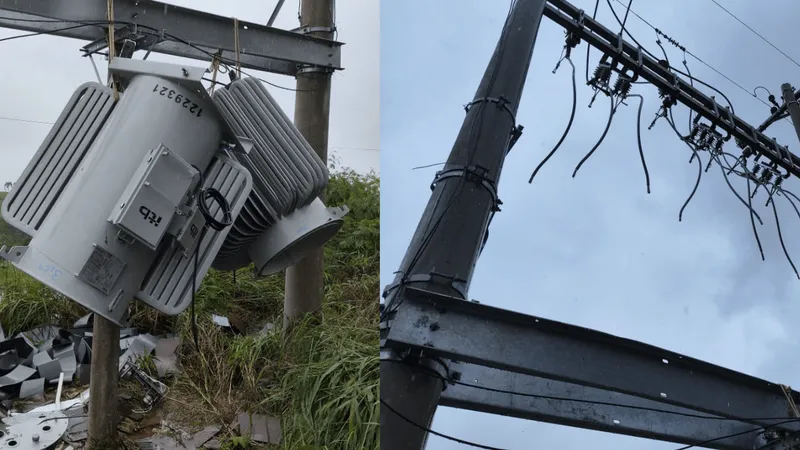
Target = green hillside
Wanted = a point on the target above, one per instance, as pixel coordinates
(321, 380)
(9, 235)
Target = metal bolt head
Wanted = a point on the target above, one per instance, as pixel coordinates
(185, 72)
(35, 438)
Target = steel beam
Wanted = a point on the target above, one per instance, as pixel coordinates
(262, 48)
(633, 58)
(571, 405)
(454, 329)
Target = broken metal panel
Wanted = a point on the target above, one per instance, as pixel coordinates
(32, 389)
(16, 376)
(32, 431)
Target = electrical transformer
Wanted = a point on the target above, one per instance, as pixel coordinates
(138, 198)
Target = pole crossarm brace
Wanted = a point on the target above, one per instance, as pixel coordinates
(261, 48)
(634, 59)
(450, 328)
(571, 405)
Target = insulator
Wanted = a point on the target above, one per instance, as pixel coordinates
(572, 40)
(766, 176)
(622, 87)
(756, 169)
(602, 73)
(718, 145)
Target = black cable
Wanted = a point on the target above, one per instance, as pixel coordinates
(752, 221)
(757, 33)
(611, 112)
(741, 433)
(695, 154)
(780, 238)
(690, 54)
(696, 184)
(588, 46)
(639, 139)
(436, 433)
(728, 182)
(569, 123)
(40, 33)
(691, 83)
(627, 11)
(432, 373)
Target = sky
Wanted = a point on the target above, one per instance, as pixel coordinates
(47, 69)
(598, 251)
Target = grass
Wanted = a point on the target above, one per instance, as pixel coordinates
(322, 380)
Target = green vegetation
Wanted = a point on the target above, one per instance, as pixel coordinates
(9, 235)
(321, 380)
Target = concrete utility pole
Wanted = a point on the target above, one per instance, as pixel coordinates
(448, 240)
(305, 280)
(103, 386)
(790, 101)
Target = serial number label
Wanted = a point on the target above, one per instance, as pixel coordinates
(179, 99)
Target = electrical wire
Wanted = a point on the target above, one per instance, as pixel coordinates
(736, 193)
(434, 374)
(780, 238)
(695, 154)
(756, 33)
(569, 123)
(588, 46)
(741, 433)
(40, 33)
(752, 221)
(718, 72)
(611, 112)
(436, 433)
(639, 139)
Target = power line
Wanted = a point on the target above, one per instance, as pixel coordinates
(700, 60)
(436, 433)
(14, 119)
(756, 33)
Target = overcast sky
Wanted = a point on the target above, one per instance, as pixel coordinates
(45, 71)
(597, 251)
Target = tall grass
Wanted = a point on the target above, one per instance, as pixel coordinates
(322, 380)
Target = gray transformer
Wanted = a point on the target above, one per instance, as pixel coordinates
(112, 197)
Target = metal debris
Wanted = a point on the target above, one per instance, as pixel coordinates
(32, 431)
(260, 428)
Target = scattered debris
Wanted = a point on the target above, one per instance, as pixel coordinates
(33, 361)
(260, 428)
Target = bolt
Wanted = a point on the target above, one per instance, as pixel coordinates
(122, 205)
(434, 326)
(35, 438)
(185, 72)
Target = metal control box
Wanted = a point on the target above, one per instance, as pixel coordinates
(150, 201)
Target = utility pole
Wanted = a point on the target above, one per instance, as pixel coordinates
(450, 235)
(790, 101)
(305, 280)
(103, 384)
